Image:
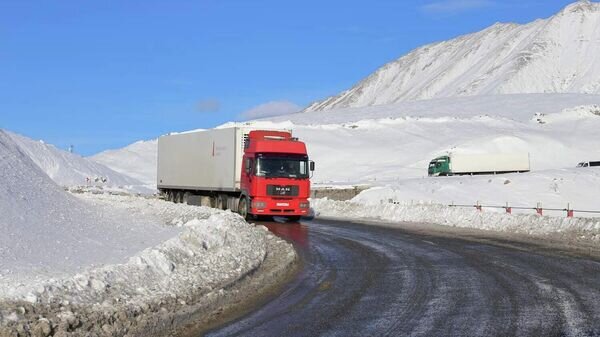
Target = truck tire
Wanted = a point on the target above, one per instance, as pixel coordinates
(222, 201)
(177, 197)
(168, 195)
(186, 198)
(243, 208)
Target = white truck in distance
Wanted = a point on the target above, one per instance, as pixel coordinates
(589, 164)
(462, 164)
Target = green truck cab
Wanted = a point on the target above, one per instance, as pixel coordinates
(440, 166)
(485, 163)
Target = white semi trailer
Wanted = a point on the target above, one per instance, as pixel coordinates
(201, 160)
(461, 164)
(250, 171)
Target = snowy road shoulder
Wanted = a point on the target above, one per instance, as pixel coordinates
(573, 231)
(211, 251)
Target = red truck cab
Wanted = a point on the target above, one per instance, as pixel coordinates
(275, 178)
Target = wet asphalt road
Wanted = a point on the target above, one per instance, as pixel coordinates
(363, 280)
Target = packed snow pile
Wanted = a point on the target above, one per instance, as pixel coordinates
(68, 169)
(47, 232)
(568, 229)
(204, 247)
(555, 55)
(180, 259)
(137, 160)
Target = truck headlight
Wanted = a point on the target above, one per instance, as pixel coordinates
(259, 204)
(304, 204)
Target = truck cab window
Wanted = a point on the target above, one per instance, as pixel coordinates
(282, 167)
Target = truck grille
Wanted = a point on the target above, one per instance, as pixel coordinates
(282, 190)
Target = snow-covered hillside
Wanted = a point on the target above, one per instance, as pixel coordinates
(555, 55)
(137, 160)
(387, 143)
(68, 169)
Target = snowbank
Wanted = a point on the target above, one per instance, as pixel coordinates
(47, 232)
(211, 251)
(68, 169)
(567, 228)
(554, 189)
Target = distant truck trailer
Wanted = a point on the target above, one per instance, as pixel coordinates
(249, 171)
(462, 164)
(589, 164)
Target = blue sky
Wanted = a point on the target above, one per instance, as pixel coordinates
(103, 74)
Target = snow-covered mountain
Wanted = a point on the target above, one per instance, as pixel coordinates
(68, 169)
(137, 160)
(555, 55)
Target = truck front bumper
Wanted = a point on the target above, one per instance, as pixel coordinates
(282, 207)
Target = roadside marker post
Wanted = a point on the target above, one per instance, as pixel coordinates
(570, 212)
(539, 209)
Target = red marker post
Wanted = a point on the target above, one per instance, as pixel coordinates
(539, 209)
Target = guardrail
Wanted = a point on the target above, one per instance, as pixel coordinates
(539, 209)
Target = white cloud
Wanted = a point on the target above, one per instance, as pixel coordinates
(269, 109)
(208, 105)
(455, 6)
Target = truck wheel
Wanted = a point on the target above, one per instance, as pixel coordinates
(177, 197)
(214, 202)
(218, 202)
(169, 196)
(223, 201)
(186, 198)
(243, 207)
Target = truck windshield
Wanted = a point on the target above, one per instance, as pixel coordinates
(282, 167)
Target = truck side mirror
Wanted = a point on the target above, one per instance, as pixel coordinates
(312, 165)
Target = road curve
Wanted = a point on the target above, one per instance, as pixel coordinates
(361, 280)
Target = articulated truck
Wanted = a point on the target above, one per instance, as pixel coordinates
(463, 164)
(249, 171)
